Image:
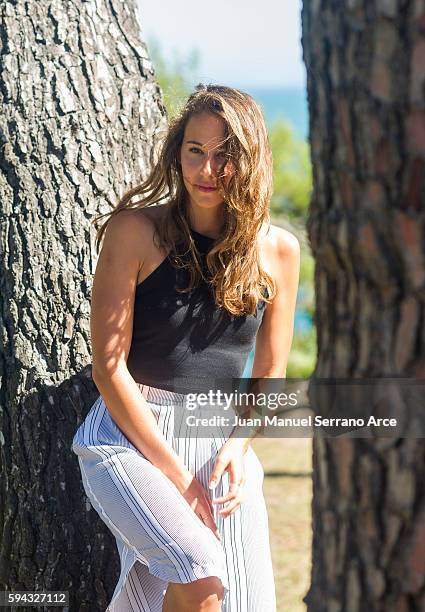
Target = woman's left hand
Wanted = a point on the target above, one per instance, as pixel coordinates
(230, 458)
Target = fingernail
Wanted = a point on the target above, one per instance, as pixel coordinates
(213, 484)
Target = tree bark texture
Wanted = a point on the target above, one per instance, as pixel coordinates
(365, 63)
(80, 116)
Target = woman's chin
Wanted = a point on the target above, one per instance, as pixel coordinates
(207, 202)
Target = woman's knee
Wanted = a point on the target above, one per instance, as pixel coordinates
(204, 594)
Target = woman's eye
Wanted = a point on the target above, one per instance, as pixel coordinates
(195, 150)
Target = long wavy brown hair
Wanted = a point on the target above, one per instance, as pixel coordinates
(233, 267)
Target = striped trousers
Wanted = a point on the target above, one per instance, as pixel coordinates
(159, 537)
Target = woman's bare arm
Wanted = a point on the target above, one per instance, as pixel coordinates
(274, 337)
(275, 334)
(127, 241)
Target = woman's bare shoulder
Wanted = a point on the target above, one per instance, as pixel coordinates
(140, 222)
(129, 237)
(279, 248)
(277, 240)
(151, 214)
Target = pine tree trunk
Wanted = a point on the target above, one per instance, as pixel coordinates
(365, 63)
(80, 115)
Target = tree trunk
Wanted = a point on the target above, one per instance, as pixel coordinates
(81, 112)
(365, 63)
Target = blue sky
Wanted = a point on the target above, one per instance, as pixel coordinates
(240, 44)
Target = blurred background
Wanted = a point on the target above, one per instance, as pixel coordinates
(258, 49)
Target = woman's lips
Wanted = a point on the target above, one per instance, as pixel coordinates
(206, 189)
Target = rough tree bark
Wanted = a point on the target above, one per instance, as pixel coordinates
(80, 115)
(365, 63)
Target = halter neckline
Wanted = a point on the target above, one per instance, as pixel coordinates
(203, 236)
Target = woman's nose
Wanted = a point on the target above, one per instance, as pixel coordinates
(209, 166)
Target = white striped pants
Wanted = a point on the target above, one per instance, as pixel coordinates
(159, 537)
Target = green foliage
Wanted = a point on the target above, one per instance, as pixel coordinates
(307, 280)
(302, 358)
(291, 172)
(176, 78)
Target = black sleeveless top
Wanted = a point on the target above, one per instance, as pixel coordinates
(182, 341)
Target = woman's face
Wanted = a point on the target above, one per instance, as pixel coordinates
(202, 158)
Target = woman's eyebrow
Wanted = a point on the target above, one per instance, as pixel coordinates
(219, 146)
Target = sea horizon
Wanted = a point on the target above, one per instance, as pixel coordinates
(288, 102)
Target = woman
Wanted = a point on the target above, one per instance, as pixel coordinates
(182, 291)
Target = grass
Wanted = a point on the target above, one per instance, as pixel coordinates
(288, 496)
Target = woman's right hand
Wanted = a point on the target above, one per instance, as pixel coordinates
(197, 497)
